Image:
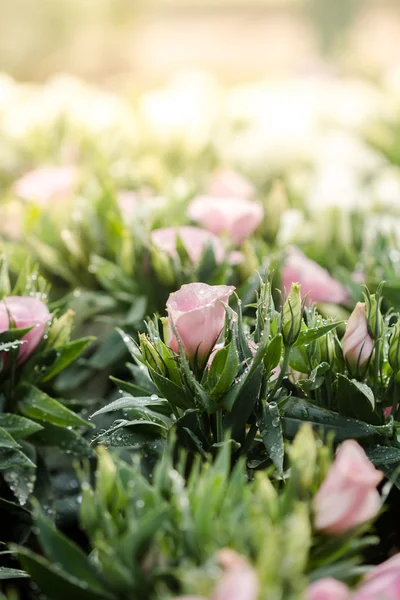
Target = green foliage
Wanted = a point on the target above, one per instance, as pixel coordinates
(159, 538)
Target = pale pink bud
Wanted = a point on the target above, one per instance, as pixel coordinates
(227, 183)
(314, 280)
(348, 496)
(195, 240)
(357, 344)
(127, 201)
(383, 586)
(390, 566)
(239, 580)
(198, 315)
(236, 217)
(24, 312)
(47, 184)
(388, 411)
(327, 589)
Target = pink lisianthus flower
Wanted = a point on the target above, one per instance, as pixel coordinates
(327, 589)
(357, 344)
(227, 183)
(236, 217)
(348, 496)
(47, 184)
(314, 280)
(23, 312)
(195, 240)
(198, 315)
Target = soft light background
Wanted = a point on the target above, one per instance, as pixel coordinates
(142, 42)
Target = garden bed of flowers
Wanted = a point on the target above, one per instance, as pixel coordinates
(200, 341)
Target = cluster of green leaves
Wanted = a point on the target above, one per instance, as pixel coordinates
(103, 266)
(32, 420)
(158, 538)
(239, 395)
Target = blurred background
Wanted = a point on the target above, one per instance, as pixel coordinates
(142, 42)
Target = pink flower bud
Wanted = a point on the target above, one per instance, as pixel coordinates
(348, 496)
(390, 566)
(25, 312)
(226, 183)
(127, 201)
(46, 184)
(315, 281)
(194, 239)
(327, 589)
(236, 217)
(239, 580)
(382, 583)
(198, 315)
(388, 411)
(357, 344)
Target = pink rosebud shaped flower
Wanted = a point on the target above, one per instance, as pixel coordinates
(390, 566)
(195, 240)
(227, 183)
(236, 217)
(315, 281)
(25, 311)
(46, 184)
(348, 496)
(328, 589)
(239, 580)
(382, 583)
(198, 315)
(357, 344)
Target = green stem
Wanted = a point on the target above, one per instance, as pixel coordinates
(249, 439)
(220, 428)
(376, 367)
(282, 374)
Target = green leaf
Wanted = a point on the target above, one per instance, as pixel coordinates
(315, 380)
(175, 395)
(19, 427)
(296, 411)
(12, 458)
(131, 388)
(255, 362)
(36, 404)
(11, 335)
(270, 427)
(298, 359)
(110, 276)
(131, 402)
(56, 583)
(67, 555)
(383, 455)
(6, 440)
(310, 335)
(273, 354)
(62, 437)
(223, 370)
(6, 573)
(65, 356)
(132, 433)
(355, 399)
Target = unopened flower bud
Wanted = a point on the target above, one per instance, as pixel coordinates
(303, 455)
(292, 315)
(106, 475)
(394, 349)
(151, 356)
(327, 348)
(358, 345)
(374, 316)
